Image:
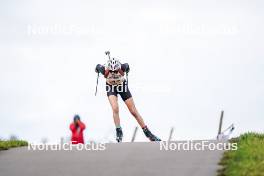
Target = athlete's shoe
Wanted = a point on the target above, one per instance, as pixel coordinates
(149, 135)
(119, 134)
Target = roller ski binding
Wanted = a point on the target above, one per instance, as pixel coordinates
(149, 135)
(119, 135)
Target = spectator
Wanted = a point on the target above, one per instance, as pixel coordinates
(77, 127)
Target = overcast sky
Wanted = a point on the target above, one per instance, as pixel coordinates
(189, 60)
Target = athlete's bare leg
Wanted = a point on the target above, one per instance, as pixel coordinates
(114, 104)
(133, 110)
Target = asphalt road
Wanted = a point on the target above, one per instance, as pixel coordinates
(126, 159)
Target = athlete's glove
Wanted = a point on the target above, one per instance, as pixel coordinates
(125, 67)
(97, 68)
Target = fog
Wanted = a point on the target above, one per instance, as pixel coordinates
(189, 60)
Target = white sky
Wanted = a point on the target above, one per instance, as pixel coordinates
(189, 60)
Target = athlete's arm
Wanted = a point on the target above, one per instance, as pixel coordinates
(107, 71)
(81, 125)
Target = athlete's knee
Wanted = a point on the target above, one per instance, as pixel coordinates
(115, 109)
(134, 112)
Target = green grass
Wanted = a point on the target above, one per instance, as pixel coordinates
(5, 145)
(248, 160)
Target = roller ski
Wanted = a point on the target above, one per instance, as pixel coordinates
(119, 135)
(149, 135)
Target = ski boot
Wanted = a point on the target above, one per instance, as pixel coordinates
(149, 135)
(119, 134)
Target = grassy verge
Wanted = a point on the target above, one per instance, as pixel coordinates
(248, 160)
(5, 145)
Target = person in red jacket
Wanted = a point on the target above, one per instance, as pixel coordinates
(77, 127)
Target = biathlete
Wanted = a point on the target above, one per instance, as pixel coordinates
(116, 83)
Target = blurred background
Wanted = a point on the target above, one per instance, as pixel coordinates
(189, 60)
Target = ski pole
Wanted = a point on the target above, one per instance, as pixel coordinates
(96, 83)
(127, 78)
(108, 54)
